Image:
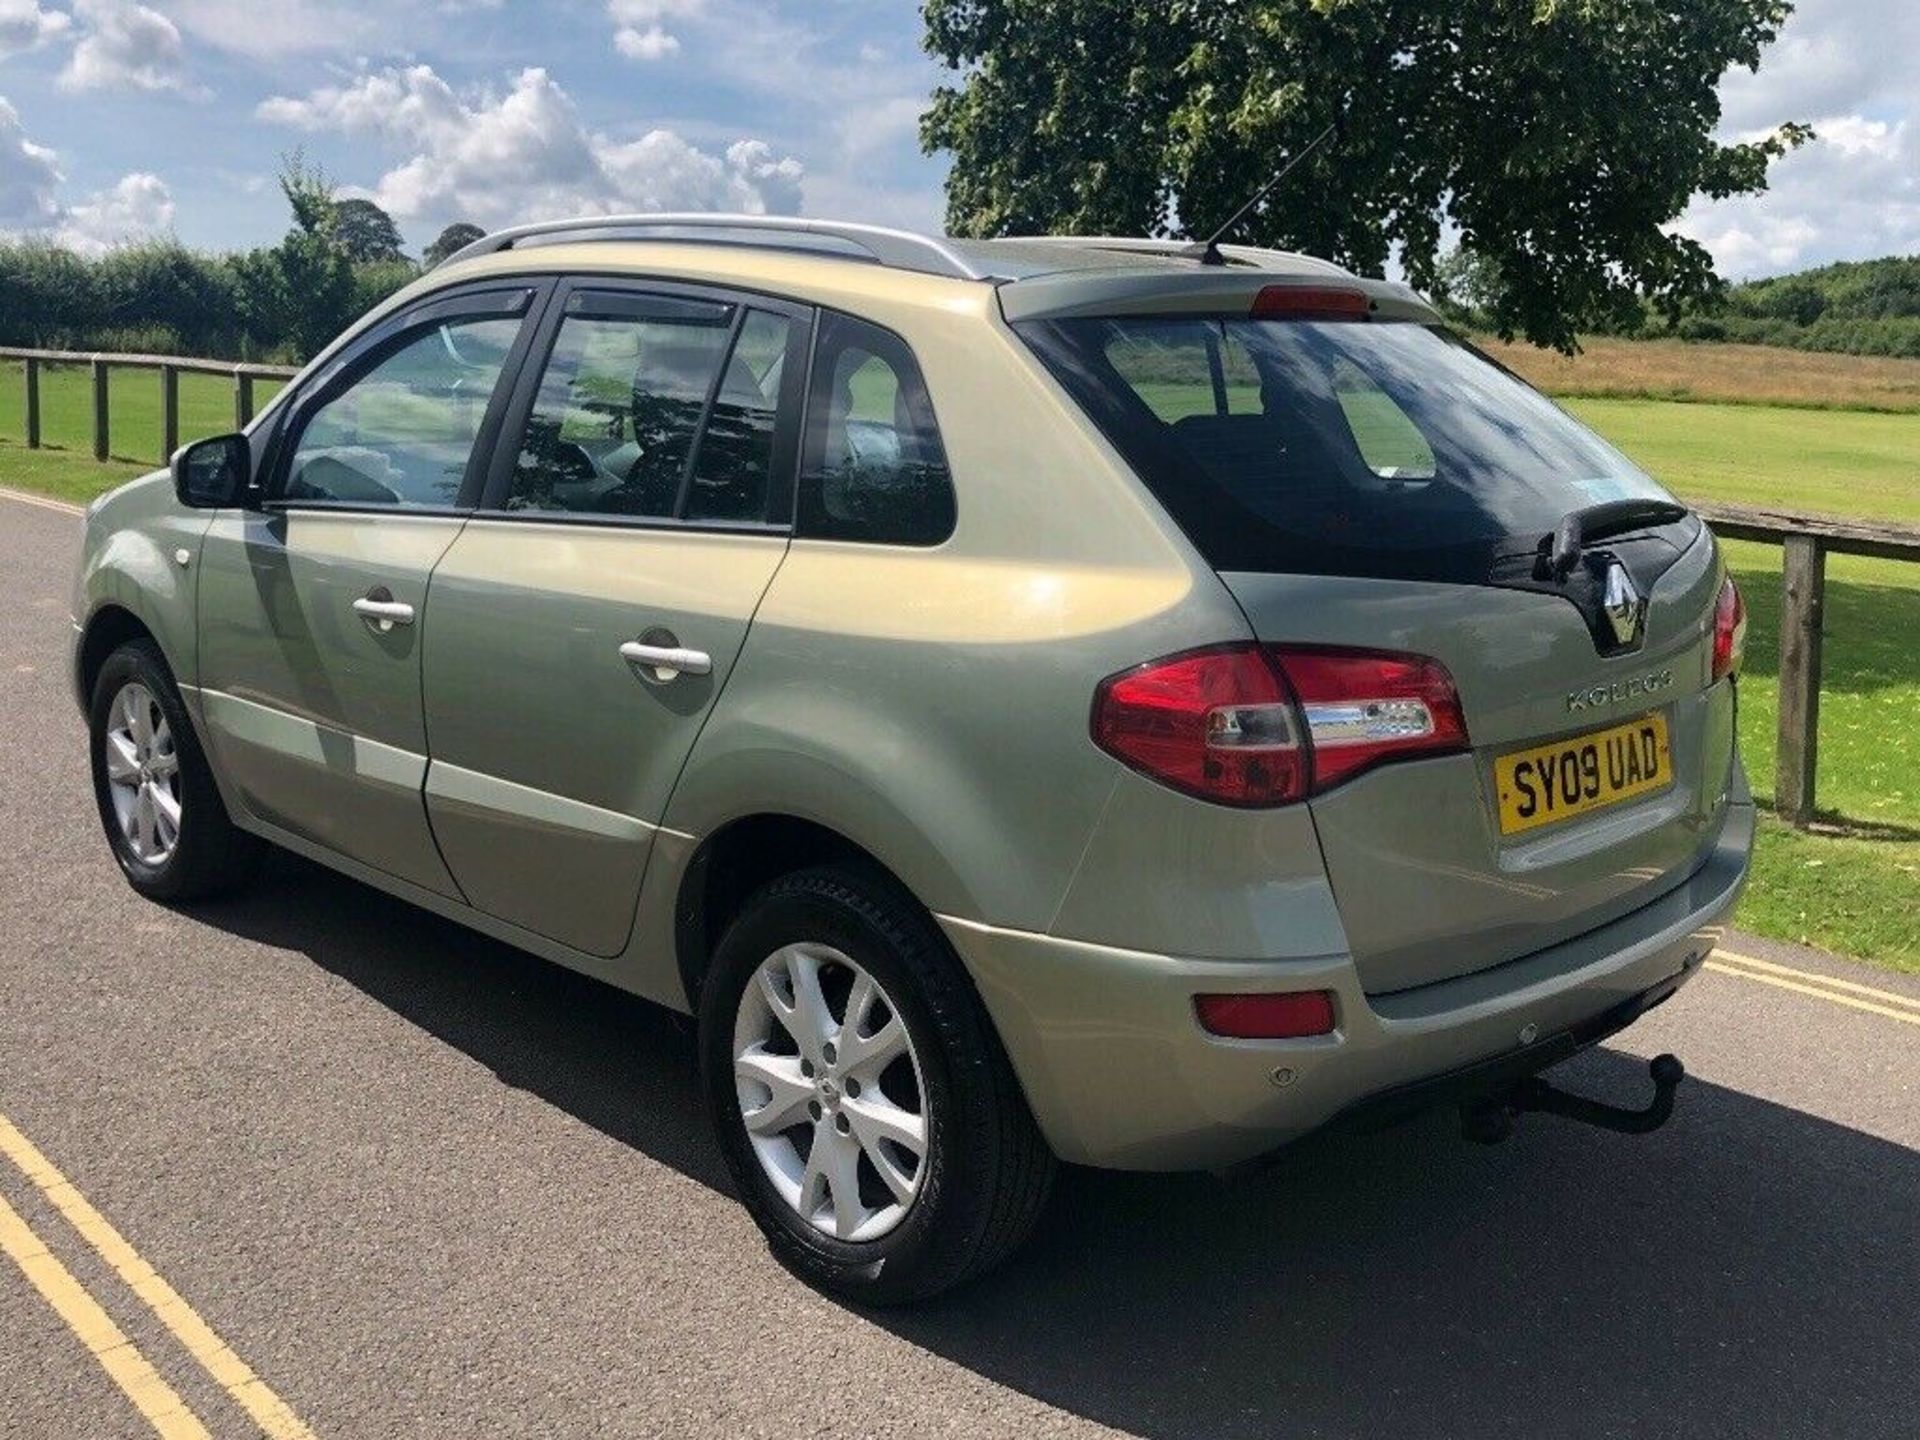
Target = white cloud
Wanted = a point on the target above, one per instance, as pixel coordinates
(495, 159)
(25, 26)
(137, 206)
(638, 32)
(124, 46)
(1852, 194)
(1846, 67)
(29, 177)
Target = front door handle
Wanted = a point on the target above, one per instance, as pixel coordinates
(381, 611)
(666, 661)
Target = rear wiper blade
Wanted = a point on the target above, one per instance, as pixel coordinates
(1560, 551)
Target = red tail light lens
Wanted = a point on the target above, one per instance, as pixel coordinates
(1216, 723)
(1729, 630)
(1364, 707)
(1267, 1017)
(1256, 725)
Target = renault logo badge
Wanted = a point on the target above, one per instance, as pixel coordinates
(1622, 603)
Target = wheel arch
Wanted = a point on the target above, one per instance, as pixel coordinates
(739, 857)
(109, 627)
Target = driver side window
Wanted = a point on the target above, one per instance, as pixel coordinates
(402, 433)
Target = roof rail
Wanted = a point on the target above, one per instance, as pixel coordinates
(1251, 255)
(898, 249)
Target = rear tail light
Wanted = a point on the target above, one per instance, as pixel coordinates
(1255, 725)
(1267, 1017)
(1729, 630)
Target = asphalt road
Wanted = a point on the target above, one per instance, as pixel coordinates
(424, 1185)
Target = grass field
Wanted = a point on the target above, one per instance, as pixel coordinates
(1852, 886)
(133, 411)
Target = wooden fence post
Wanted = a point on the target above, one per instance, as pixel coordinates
(1802, 599)
(32, 367)
(169, 412)
(102, 441)
(242, 399)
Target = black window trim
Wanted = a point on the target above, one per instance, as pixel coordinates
(525, 296)
(789, 415)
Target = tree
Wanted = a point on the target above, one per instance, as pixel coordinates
(456, 236)
(1559, 137)
(365, 232)
(300, 292)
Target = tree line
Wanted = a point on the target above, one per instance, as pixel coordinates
(273, 304)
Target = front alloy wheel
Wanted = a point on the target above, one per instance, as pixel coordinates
(831, 1092)
(143, 774)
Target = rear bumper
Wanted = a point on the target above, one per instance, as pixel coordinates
(1120, 1074)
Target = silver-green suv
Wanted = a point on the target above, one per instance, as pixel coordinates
(1031, 699)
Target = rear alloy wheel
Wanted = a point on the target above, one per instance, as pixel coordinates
(831, 1092)
(865, 1108)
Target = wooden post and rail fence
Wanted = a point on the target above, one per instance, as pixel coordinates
(1805, 543)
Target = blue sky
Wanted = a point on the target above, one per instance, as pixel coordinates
(120, 118)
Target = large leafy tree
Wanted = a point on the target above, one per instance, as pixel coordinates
(1559, 138)
(366, 232)
(455, 237)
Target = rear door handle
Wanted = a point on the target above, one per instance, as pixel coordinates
(381, 611)
(667, 661)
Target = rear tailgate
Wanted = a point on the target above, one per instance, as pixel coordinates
(1428, 885)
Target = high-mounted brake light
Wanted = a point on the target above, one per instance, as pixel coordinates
(1729, 630)
(1255, 725)
(1311, 302)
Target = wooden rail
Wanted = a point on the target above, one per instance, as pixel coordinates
(170, 368)
(1805, 542)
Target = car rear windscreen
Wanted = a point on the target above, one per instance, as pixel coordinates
(1337, 447)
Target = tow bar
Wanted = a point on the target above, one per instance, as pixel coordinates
(1490, 1120)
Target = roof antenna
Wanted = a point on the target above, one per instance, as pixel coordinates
(1208, 251)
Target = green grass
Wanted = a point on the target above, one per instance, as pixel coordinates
(1852, 886)
(1837, 462)
(133, 412)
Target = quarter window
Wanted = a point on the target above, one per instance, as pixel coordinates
(403, 432)
(874, 468)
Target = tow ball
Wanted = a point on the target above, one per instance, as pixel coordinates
(1491, 1120)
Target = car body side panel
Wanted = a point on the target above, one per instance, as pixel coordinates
(130, 559)
(553, 756)
(314, 715)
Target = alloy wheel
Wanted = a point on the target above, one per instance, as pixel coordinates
(143, 774)
(831, 1091)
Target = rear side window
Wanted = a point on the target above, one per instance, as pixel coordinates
(655, 407)
(873, 468)
(1370, 448)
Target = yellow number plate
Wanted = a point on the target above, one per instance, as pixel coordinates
(1564, 778)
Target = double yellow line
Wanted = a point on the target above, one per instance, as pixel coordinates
(1850, 993)
(118, 1356)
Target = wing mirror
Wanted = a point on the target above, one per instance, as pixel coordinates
(214, 473)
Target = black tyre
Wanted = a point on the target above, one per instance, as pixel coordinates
(862, 1100)
(158, 804)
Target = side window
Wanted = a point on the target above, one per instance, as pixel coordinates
(733, 464)
(402, 433)
(616, 426)
(873, 468)
(1387, 439)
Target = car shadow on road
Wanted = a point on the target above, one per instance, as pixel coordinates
(1749, 1270)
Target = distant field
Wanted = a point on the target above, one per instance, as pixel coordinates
(1734, 374)
(66, 408)
(1836, 462)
